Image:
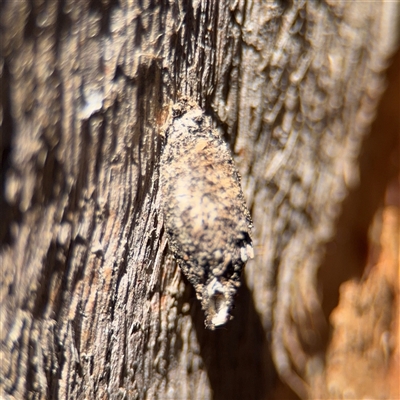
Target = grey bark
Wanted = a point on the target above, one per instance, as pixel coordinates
(92, 303)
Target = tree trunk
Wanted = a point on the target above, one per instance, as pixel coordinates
(93, 305)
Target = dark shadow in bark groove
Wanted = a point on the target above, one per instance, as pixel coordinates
(236, 357)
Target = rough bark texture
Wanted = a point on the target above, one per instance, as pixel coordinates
(92, 303)
(365, 340)
(363, 356)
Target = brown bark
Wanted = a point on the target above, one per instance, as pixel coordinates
(362, 358)
(92, 303)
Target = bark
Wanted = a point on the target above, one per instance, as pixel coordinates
(92, 303)
(360, 271)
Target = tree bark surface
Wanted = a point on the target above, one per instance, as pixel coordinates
(93, 304)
